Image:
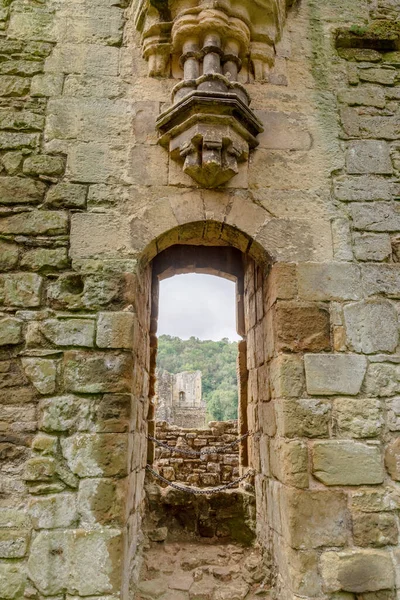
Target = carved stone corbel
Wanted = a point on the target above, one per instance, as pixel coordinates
(212, 45)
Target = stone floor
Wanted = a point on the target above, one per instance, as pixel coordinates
(201, 548)
(201, 570)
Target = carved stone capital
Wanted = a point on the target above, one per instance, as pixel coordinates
(254, 25)
(212, 46)
(209, 133)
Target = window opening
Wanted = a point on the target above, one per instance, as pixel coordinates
(196, 393)
(205, 370)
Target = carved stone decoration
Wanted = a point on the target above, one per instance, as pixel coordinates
(212, 46)
(209, 133)
(166, 24)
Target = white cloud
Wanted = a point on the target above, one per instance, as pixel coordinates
(197, 305)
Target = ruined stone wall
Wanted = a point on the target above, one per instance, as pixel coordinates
(88, 199)
(178, 399)
(210, 470)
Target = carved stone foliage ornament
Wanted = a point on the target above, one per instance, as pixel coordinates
(213, 47)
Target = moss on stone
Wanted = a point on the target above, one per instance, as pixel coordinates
(383, 35)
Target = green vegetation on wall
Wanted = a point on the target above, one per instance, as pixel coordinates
(217, 363)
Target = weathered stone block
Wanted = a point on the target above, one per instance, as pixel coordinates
(357, 571)
(393, 414)
(32, 26)
(96, 162)
(381, 279)
(142, 159)
(363, 96)
(392, 459)
(289, 462)
(383, 379)
(369, 156)
(47, 85)
(90, 59)
(65, 413)
(21, 120)
(79, 118)
(358, 417)
(66, 195)
(14, 518)
(96, 562)
(99, 235)
(9, 254)
(372, 500)
(69, 332)
(10, 331)
(38, 222)
(378, 75)
(362, 188)
(42, 372)
(347, 463)
(50, 555)
(12, 580)
(375, 529)
(54, 512)
(300, 570)
(115, 330)
(332, 281)
(376, 216)
(43, 164)
(12, 162)
(372, 246)
(331, 374)
(302, 418)
(301, 328)
(372, 326)
(106, 27)
(22, 289)
(284, 131)
(91, 373)
(40, 469)
(282, 282)
(18, 190)
(314, 519)
(45, 258)
(14, 86)
(13, 543)
(288, 240)
(287, 376)
(16, 141)
(101, 502)
(96, 455)
(47, 445)
(112, 413)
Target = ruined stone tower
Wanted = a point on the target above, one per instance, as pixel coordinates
(178, 399)
(257, 140)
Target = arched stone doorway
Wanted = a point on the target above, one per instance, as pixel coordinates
(272, 378)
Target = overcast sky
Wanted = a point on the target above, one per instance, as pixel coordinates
(198, 305)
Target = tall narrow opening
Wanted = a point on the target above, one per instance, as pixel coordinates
(200, 521)
(196, 391)
(194, 371)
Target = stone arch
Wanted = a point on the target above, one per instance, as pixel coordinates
(220, 217)
(220, 249)
(278, 328)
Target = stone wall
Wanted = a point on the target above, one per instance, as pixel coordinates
(89, 200)
(178, 399)
(210, 470)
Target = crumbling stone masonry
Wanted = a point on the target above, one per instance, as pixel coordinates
(302, 215)
(178, 399)
(204, 471)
